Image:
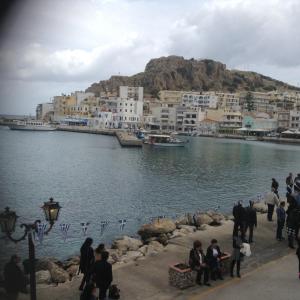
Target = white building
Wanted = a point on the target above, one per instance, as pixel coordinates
(131, 92)
(104, 119)
(80, 96)
(43, 109)
(206, 100)
(164, 118)
(294, 119)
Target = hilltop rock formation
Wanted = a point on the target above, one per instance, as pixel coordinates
(178, 73)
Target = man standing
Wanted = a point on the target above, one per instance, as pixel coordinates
(280, 220)
(14, 278)
(289, 180)
(102, 273)
(271, 200)
(275, 186)
(251, 220)
(239, 215)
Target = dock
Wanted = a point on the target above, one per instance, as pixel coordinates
(128, 139)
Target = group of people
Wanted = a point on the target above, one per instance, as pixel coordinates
(97, 271)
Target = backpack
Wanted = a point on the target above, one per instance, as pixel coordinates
(114, 292)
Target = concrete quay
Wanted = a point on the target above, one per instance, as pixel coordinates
(148, 279)
(128, 139)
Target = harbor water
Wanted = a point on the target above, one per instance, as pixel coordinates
(95, 180)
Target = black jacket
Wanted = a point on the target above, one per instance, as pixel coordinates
(239, 213)
(194, 259)
(86, 259)
(251, 217)
(102, 273)
(14, 279)
(210, 256)
(275, 185)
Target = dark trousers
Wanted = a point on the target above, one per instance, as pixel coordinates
(280, 225)
(251, 227)
(205, 271)
(85, 279)
(270, 211)
(102, 292)
(239, 226)
(238, 267)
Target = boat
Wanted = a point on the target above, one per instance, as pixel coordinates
(251, 138)
(31, 125)
(163, 140)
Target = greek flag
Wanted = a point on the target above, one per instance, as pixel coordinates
(84, 227)
(41, 228)
(103, 225)
(122, 224)
(64, 228)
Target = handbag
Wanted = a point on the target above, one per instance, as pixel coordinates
(114, 292)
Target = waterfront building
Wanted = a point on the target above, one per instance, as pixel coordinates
(283, 118)
(230, 121)
(260, 102)
(165, 117)
(104, 120)
(44, 111)
(208, 127)
(194, 99)
(62, 106)
(229, 101)
(259, 123)
(294, 119)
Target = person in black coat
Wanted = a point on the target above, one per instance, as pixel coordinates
(102, 273)
(251, 220)
(275, 186)
(86, 261)
(198, 263)
(239, 215)
(14, 278)
(213, 257)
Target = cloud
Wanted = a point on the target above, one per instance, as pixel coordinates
(241, 32)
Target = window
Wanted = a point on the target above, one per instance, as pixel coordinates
(125, 110)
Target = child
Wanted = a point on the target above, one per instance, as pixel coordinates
(280, 220)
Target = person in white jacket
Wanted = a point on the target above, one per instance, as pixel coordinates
(271, 200)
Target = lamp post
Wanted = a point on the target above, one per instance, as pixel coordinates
(8, 221)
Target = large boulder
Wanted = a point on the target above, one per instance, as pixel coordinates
(73, 261)
(156, 246)
(202, 218)
(131, 256)
(58, 275)
(72, 270)
(186, 229)
(152, 249)
(45, 263)
(163, 239)
(158, 227)
(261, 207)
(127, 244)
(43, 276)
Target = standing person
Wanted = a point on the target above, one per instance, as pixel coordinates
(14, 278)
(197, 262)
(100, 248)
(280, 211)
(236, 255)
(271, 200)
(251, 220)
(213, 256)
(89, 292)
(102, 273)
(291, 223)
(275, 186)
(86, 261)
(239, 215)
(289, 180)
(298, 255)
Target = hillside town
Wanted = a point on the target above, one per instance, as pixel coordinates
(186, 112)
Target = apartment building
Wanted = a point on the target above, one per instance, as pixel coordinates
(193, 99)
(43, 110)
(294, 119)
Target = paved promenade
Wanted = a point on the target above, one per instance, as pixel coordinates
(148, 279)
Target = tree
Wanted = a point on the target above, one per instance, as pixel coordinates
(249, 101)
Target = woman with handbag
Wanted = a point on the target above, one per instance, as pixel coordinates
(236, 255)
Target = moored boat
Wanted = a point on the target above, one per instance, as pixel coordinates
(163, 140)
(31, 126)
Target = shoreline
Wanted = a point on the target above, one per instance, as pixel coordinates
(146, 275)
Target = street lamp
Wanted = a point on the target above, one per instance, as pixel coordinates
(8, 221)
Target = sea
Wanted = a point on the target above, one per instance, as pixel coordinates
(107, 191)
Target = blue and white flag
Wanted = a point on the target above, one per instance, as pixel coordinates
(122, 224)
(64, 228)
(103, 225)
(84, 227)
(41, 228)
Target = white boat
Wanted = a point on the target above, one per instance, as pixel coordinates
(163, 140)
(31, 126)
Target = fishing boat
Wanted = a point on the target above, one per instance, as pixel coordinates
(163, 140)
(31, 125)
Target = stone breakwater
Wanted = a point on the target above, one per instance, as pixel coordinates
(154, 238)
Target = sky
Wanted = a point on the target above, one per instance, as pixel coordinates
(50, 47)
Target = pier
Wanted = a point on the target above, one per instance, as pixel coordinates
(128, 139)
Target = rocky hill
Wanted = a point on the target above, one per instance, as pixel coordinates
(177, 73)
